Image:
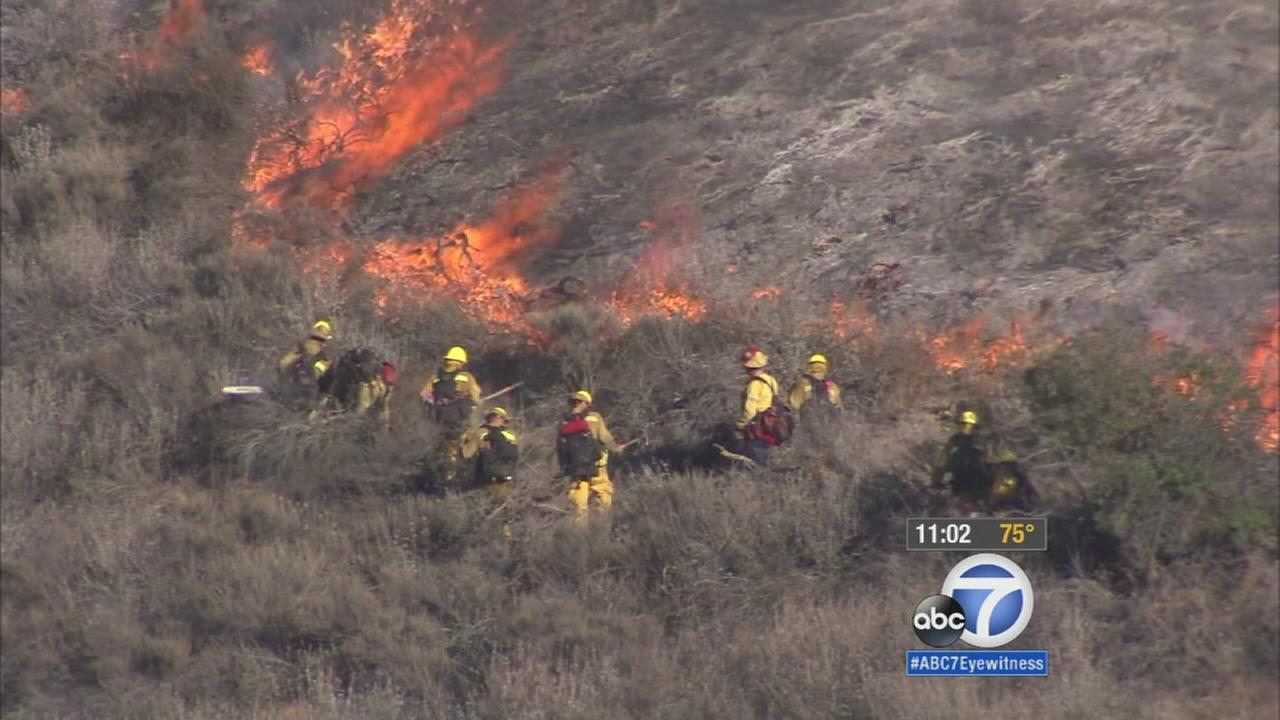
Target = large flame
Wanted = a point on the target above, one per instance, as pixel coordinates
(182, 21)
(13, 102)
(476, 263)
(393, 92)
(655, 286)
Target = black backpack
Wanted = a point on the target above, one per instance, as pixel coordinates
(498, 455)
(355, 367)
(821, 389)
(577, 449)
(774, 425)
(970, 473)
(450, 408)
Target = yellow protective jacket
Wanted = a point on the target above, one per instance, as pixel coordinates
(466, 384)
(454, 415)
(311, 353)
(802, 392)
(757, 396)
(600, 431)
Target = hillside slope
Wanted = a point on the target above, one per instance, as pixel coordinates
(186, 186)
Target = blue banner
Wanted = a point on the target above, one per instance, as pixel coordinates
(977, 663)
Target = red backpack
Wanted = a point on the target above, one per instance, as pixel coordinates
(773, 425)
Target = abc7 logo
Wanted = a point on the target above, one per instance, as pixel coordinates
(986, 601)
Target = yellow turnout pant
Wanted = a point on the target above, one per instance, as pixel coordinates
(598, 488)
(499, 494)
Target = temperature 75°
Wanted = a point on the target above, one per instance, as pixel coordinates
(1017, 530)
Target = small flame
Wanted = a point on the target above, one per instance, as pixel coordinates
(389, 96)
(964, 347)
(183, 20)
(13, 102)
(767, 292)
(655, 286)
(851, 320)
(1262, 370)
(1188, 386)
(259, 59)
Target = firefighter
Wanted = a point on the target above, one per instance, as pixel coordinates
(497, 451)
(759, 408)
(360, 382)
(981, 478)
(302, 367)
(374, 394)
(583, 448)
(452, 396)
(963, 460)
(813, 385)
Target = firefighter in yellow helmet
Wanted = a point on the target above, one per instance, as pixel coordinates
(813, 386)
(304, 364)
(982, 477)
(452, 397)
(583, 445)
(763, 420)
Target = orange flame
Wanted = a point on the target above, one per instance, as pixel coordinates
(964, 348)
(183, 20)
(13, 102)
(767, 292)
(389, 96)
(654, 286)
(852, 320)
(258, 59)
(477, 263)
(1262, 370)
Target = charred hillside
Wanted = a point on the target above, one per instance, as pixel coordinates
(1064, 213)
(1095, 152)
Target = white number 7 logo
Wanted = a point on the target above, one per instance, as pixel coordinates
(979, 583)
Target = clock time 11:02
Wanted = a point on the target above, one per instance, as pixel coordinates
(950, 534)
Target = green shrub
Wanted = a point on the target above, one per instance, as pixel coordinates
(1167, 477)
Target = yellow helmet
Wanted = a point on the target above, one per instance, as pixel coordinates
(968, 417)
(818, 358)
(322, 330)
(582, 395)
(1005, 487)
(499, 411)
(755, 360)
(457, 354)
